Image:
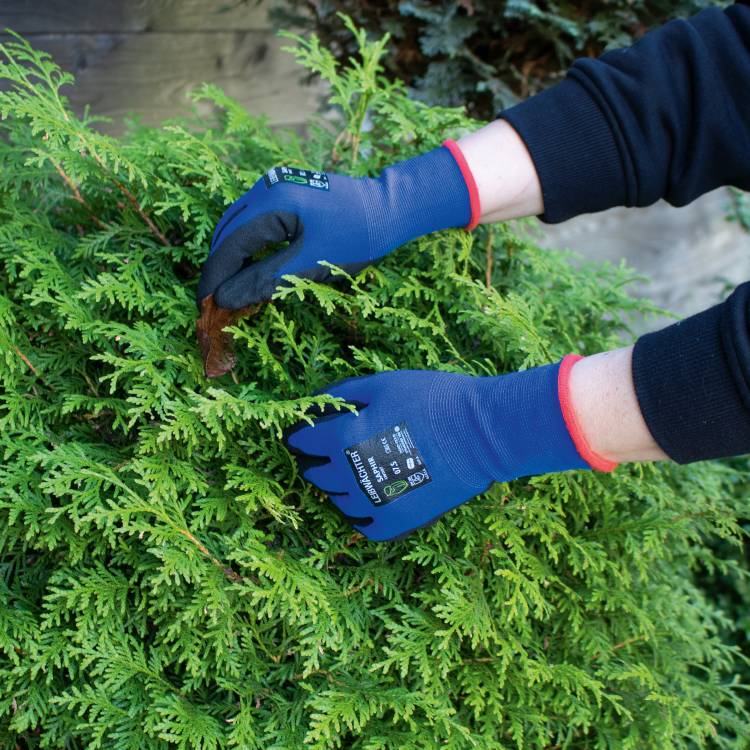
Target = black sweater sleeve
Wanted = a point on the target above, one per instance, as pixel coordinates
(667, 118)
(692, 380)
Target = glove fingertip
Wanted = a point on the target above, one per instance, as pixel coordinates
(234, 296)
(293, 437)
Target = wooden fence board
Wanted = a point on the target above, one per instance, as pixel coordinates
(151, 73)
(100, 16)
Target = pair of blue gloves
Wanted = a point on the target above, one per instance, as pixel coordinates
(422, 442)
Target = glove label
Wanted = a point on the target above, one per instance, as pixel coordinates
(304, 177)
(388, 465)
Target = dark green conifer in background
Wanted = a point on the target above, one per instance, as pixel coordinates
(167, 579)
(485, 54)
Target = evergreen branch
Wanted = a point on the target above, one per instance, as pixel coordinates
(133, 201)
(26, 361)
(77, 195)
(232, 575)
(139, 210)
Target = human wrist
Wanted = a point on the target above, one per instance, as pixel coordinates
(506, 180)
(608, 420)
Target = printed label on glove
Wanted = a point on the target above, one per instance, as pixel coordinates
(388, 465)
(304, 177)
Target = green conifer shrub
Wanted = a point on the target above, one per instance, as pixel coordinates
(167, 579)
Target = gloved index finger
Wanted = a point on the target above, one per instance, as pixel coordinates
(231, 214)
(240, 244)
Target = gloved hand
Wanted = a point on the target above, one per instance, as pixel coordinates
(424, 442)
(347, 221)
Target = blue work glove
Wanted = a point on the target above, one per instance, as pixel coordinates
(348, 221)
(424, 442)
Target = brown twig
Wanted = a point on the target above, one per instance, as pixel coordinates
(216, 344)
(356, 139)
(488, 254)
(480, 660)
(227, 571)
(485, 552)
(342, 136)
(26, 361)
(77, 195)
(623, 644)
(137, 206)
(324, 672)
(354, 539)
(359, 587)
(134, 203)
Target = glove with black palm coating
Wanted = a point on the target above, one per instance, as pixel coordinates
(347, 221)
(424, 442)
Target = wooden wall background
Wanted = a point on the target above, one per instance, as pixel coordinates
(142, 56)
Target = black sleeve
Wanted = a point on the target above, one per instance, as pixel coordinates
(692, 380)
(668, 118)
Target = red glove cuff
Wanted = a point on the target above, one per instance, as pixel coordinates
(471, 184)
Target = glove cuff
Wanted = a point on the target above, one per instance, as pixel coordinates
(413, 198)
(501, 427)
(590, 456)
(471, 184)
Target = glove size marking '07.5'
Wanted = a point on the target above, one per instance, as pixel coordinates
(388, 465)
(349, 222)
(422, 442)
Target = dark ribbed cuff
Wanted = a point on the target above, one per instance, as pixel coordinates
(687, 391)
(574, 151)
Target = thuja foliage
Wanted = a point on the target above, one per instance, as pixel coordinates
(484, 53)
(167, 578)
